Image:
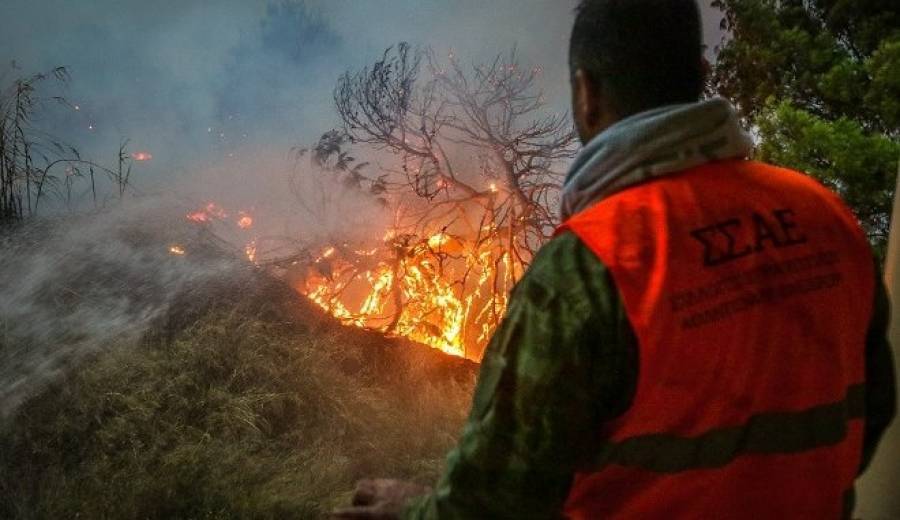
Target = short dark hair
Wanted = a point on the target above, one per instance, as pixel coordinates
(642, 53)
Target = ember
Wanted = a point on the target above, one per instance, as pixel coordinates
(198, 216)
(250, 251)
(208, 213)
(245, 221)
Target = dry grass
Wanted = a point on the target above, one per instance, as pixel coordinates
(240, 414)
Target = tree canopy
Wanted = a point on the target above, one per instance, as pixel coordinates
(819, 83)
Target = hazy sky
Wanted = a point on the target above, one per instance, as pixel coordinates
(196, 82)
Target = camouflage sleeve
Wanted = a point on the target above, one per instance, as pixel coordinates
(556, 368)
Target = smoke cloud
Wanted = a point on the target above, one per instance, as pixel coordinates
(72, 287)
(196, 83)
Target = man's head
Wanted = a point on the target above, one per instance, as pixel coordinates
(627, 56)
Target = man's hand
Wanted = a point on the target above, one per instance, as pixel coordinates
(380, 499)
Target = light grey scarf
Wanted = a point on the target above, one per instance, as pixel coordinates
(650, 144)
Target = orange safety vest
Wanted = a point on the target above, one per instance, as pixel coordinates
(750, 289)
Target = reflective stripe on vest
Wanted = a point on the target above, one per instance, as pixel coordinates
(749, 288)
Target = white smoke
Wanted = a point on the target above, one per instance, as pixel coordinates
(72, 287)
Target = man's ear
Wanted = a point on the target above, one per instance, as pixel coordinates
(588, 108)
(584, 104)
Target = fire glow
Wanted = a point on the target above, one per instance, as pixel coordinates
(414, 291)
(208, 213)
(250, 251)
(245, 221)
(442, 290)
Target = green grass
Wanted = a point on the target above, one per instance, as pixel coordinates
(236, 414)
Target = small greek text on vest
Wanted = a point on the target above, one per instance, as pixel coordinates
(737, 237)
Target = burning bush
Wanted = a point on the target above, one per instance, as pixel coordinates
(469, 167)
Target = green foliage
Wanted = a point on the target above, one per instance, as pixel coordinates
(820, 79)
(235, 418)
(857, 164)
(824, 56)
(884, 70)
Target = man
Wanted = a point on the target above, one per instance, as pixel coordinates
(703, 338)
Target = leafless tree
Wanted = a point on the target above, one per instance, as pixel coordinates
(435, 121)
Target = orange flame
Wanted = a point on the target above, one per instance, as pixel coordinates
(441, 290)
(250, 251)
(415, 294)
(245, 221)
(208, 213)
